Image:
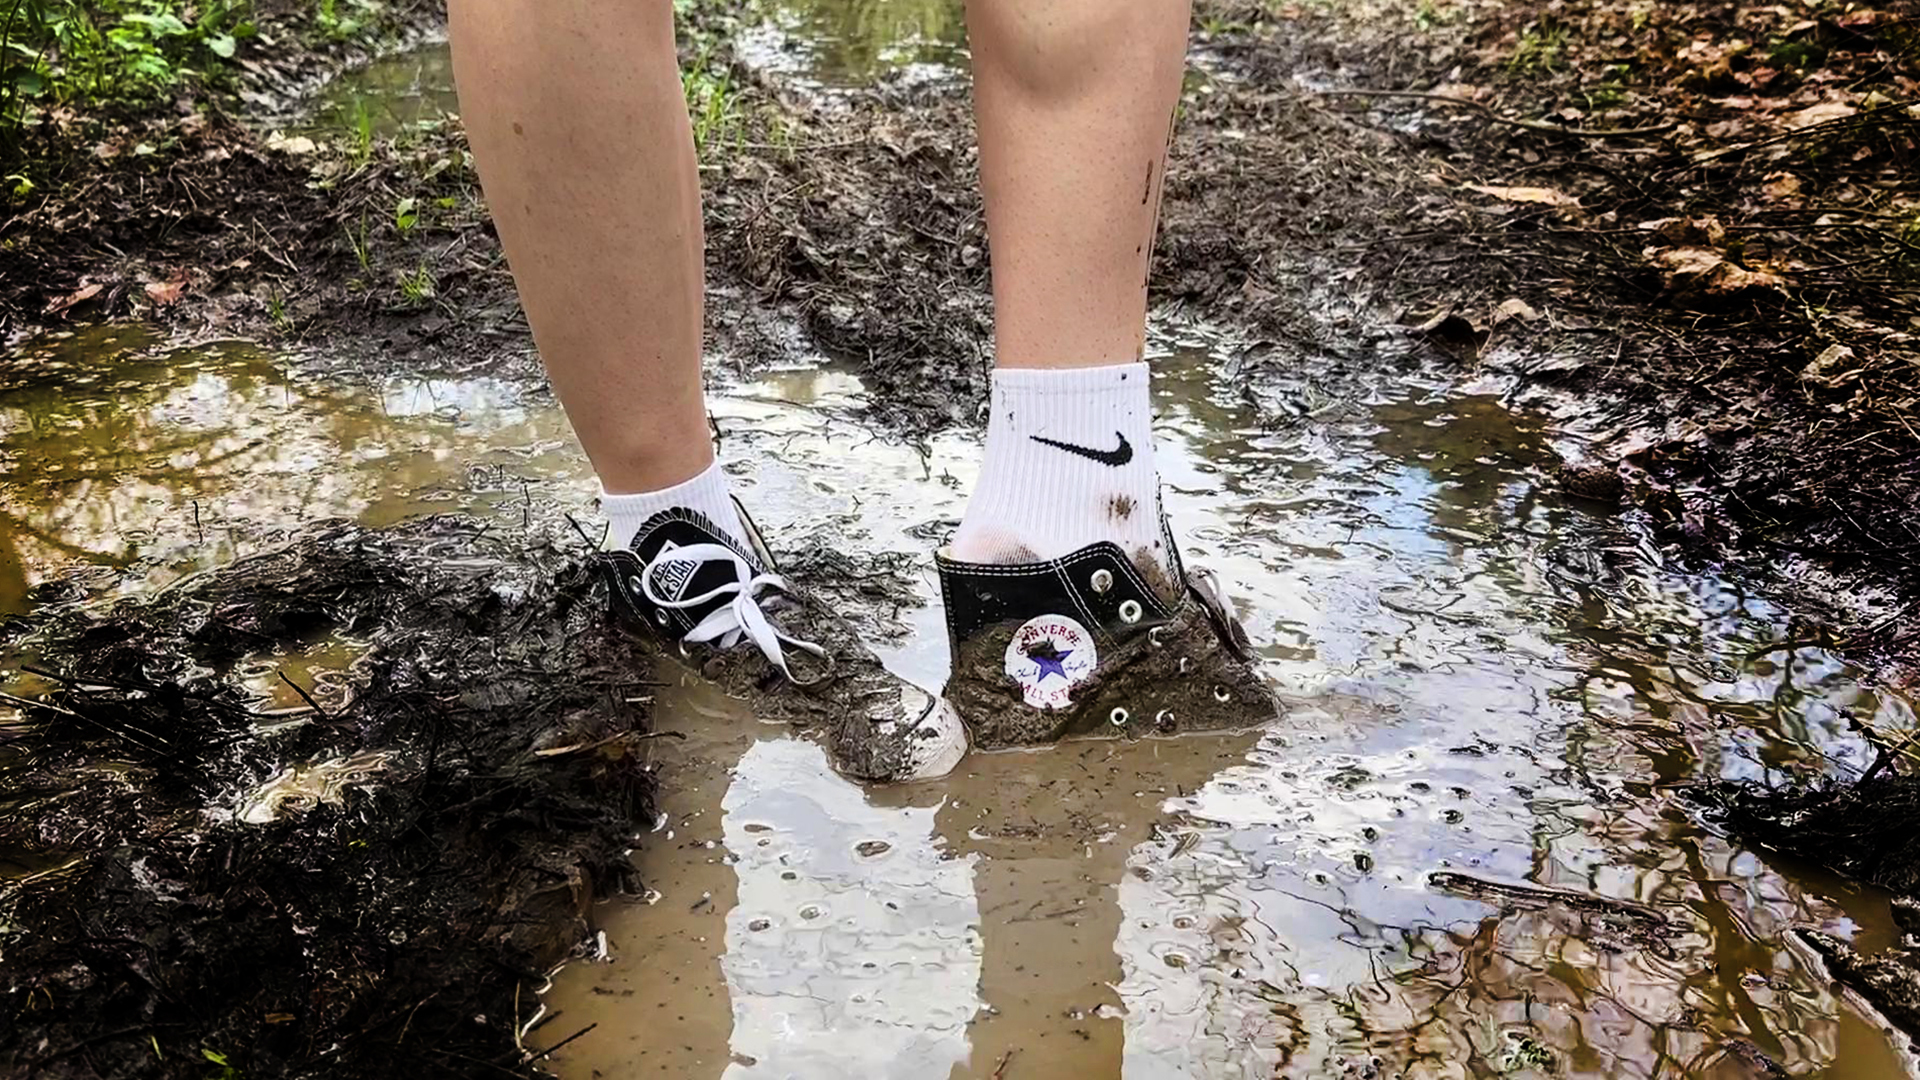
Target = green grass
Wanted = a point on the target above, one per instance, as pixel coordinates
(417, 287)
(1541, 48)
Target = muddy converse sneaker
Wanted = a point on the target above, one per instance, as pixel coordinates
(1086, 645)
(725, 612)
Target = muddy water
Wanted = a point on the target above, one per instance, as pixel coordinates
(1483, 678)
(823, 43)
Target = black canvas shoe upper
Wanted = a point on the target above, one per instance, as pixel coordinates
(878, 726)
(1086, 644)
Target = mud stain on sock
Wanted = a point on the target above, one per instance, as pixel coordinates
(1121, 507)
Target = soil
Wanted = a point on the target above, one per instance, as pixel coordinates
(1685, 228)
(405, 920)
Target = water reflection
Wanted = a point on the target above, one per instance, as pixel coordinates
(1481, 678)
(131, 455)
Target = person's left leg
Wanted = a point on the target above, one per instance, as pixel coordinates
(1068, 606)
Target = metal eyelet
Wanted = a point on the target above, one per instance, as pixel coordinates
(1185, 665)
(1222, 695)
(1163, 720)
(1130, 612)
(1154, 635)
(1119, 717)
(1101, 581)
(634, 586)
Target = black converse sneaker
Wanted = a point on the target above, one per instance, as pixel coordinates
(727, 613)
(1086, 645)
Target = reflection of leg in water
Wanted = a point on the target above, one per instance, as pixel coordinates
(580, 132)
(1053, 832)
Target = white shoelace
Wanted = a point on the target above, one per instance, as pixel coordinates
(740, 618)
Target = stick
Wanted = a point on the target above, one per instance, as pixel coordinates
(304, 696)
(1530, 125)
(566, 1040)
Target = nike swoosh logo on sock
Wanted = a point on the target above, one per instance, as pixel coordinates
(1116, 457)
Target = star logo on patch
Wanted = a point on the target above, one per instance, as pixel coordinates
(1048, 656)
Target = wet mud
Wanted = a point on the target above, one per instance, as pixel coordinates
(369, 882)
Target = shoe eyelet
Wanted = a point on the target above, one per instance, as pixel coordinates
(1130, 612)
(1163, 720)
(1154, 635)
(1119, 717)
(1222, 695)
(634, 586)
(1101, 581)
(661, 618)
(685, 653)
(1185, 665)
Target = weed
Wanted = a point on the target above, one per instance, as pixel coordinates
(342, 19)
(1429, 15)
(417, 287)
(406, 213)
(64, 52)
(1539, 49)
(358, 241)
(224, 1071)
(277, 310)
(710, 101)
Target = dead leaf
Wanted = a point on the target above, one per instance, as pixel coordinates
(1781, 186)
(297, 145)
(1540, 195)
(166, 293)
(1819, 114)
(1453, 334)
(1699, 275)
(1512, 309)
(80, 295)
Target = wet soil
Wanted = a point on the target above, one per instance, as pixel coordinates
(370, 881)
(1501, 665)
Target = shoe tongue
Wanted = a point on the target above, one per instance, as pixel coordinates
(678, 528)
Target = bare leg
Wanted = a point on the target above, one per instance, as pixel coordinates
(1074, 99)
(580, 132)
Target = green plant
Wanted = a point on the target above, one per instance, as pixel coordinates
(358, 242)
(417, 287)
(710, 101)
(406, 214)
(277, 310)
(340, 20)
(225, 1071)
(1539, 49)
(111, 51)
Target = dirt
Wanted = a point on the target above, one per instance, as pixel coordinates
(1697, 256)
(404, 919)
(1864, 830)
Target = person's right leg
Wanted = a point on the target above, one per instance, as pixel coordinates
(579, 129)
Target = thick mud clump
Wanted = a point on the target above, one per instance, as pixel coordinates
(192, 894)
(1180, 678)
(1864, 830)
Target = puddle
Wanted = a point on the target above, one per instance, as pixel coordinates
(825, 43)
(304, 787)
(1482, 679)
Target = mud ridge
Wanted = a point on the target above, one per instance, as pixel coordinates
(402, 921)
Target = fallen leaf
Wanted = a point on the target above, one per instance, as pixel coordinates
(1781, 186)
(1819, 114)
(166, 293)
(1696, 274)
(1543, 196)
(1515, 308)
(83, 293)
(297, 145)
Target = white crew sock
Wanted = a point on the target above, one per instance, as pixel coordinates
(1036, 500)
(706, 494)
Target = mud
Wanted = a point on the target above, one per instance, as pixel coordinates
(485, 771)
(1183, 680)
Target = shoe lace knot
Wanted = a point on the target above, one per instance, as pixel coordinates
(739, 619)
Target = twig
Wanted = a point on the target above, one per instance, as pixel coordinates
(1487, 111)
(565, 1041)
(1000, 1070)
(304, 696)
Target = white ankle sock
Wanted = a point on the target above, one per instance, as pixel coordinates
(706, 494)
(1091, 479)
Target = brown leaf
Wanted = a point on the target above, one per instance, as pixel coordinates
(1540, 195)
(82, 294)
(167, 293)
(1833, 368)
